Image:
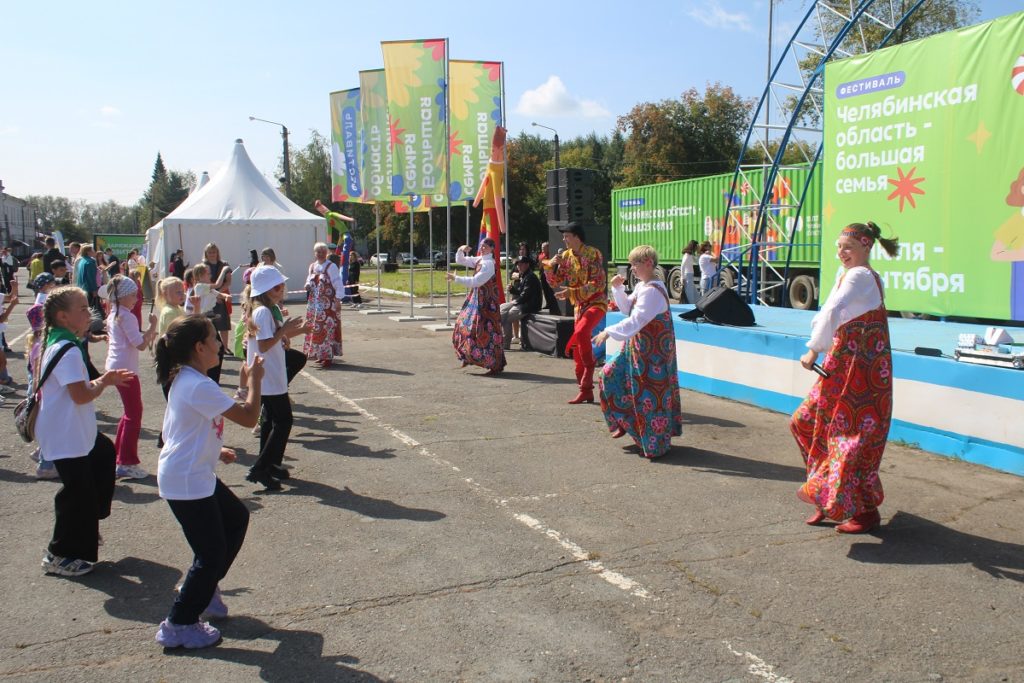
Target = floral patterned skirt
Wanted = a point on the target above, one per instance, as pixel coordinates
(477, 336)
(640, 389)
(324, 342)
(843, 424)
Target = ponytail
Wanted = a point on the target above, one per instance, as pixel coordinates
(891, 245)
(176, 346)
(870, 230)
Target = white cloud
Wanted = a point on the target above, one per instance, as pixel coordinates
(552, 98)
(711, 13)
(109, 111)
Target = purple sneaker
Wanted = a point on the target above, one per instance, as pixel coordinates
(190, 636)
(216, 609)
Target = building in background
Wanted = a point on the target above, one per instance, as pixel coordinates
(18, 220)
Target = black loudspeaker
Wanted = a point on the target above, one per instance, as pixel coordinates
(570, 195)
(722, 306)
(546, 334)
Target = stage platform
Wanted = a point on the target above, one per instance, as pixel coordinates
(972, 412)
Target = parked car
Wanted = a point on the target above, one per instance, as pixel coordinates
(439, 261)
(378, 259)
(405, 258)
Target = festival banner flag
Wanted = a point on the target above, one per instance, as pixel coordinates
(475, 104)
(376, 156)
(346, 146)
(417, 203)
(415, 74)
(927, 142)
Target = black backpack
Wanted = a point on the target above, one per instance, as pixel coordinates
(722, 306)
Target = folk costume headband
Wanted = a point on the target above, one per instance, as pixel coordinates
(865, 239)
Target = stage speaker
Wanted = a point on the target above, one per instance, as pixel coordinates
(722, 306)
(570, 195)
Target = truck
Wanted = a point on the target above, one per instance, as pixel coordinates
(668, 215)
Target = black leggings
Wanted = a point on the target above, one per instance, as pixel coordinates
(276, 415)
(294, 361)
(215, 529)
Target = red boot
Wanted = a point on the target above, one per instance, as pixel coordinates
(862, 523)
(586, 380)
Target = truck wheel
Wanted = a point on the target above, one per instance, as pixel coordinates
(801, 292)
(674, 284)
(630, 279)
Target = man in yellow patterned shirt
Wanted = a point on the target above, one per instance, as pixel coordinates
(578, 275)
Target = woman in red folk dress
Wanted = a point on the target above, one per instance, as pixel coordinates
(843, 424)
(477, 337)
(323, 283)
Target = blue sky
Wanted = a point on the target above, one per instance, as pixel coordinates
(91, 91)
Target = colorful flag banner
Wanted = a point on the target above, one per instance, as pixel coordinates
(373, 115)
(417, 203)
(415, 74)
(475, 104)
(346, 146)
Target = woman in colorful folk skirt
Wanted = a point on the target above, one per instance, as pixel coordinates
(842, 426)
(323, 284)
(477, 337)
(639, 389)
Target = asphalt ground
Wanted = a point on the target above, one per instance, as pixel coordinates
(444, 526)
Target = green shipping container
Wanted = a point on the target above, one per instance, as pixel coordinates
(668, 215)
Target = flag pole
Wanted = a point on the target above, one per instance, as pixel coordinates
(508, 229)
(430, 251)
(447, 182)
(412, 271)
(376, 254)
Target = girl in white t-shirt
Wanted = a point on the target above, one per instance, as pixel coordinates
(707, 267)
(68, 437)
(266, 340)
(124, 341)
(211, 516)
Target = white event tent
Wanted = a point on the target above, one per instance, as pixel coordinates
(238, 210)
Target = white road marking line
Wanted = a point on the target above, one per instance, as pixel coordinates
(758, 667)
(374, 398)
(614, 578)
(12, 342)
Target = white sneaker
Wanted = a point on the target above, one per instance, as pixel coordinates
(46, 470)
(130, 472)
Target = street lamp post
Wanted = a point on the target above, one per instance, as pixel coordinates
(558, 164)
(287, 164)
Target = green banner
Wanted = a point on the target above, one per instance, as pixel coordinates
(415, 75)
(475, 104)
(926, 140)
(119, 244)
(373, 115)
(346, 146)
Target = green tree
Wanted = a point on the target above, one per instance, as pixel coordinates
(167, 190)
(697, 135)
(310, 171)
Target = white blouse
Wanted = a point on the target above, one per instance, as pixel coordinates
(649, 300)
(332, 272)
(853, 295)
(485, 273)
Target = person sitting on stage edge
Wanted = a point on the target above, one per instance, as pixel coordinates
(640, 388)
(524, 298)
(843, 424)
(580, 274)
